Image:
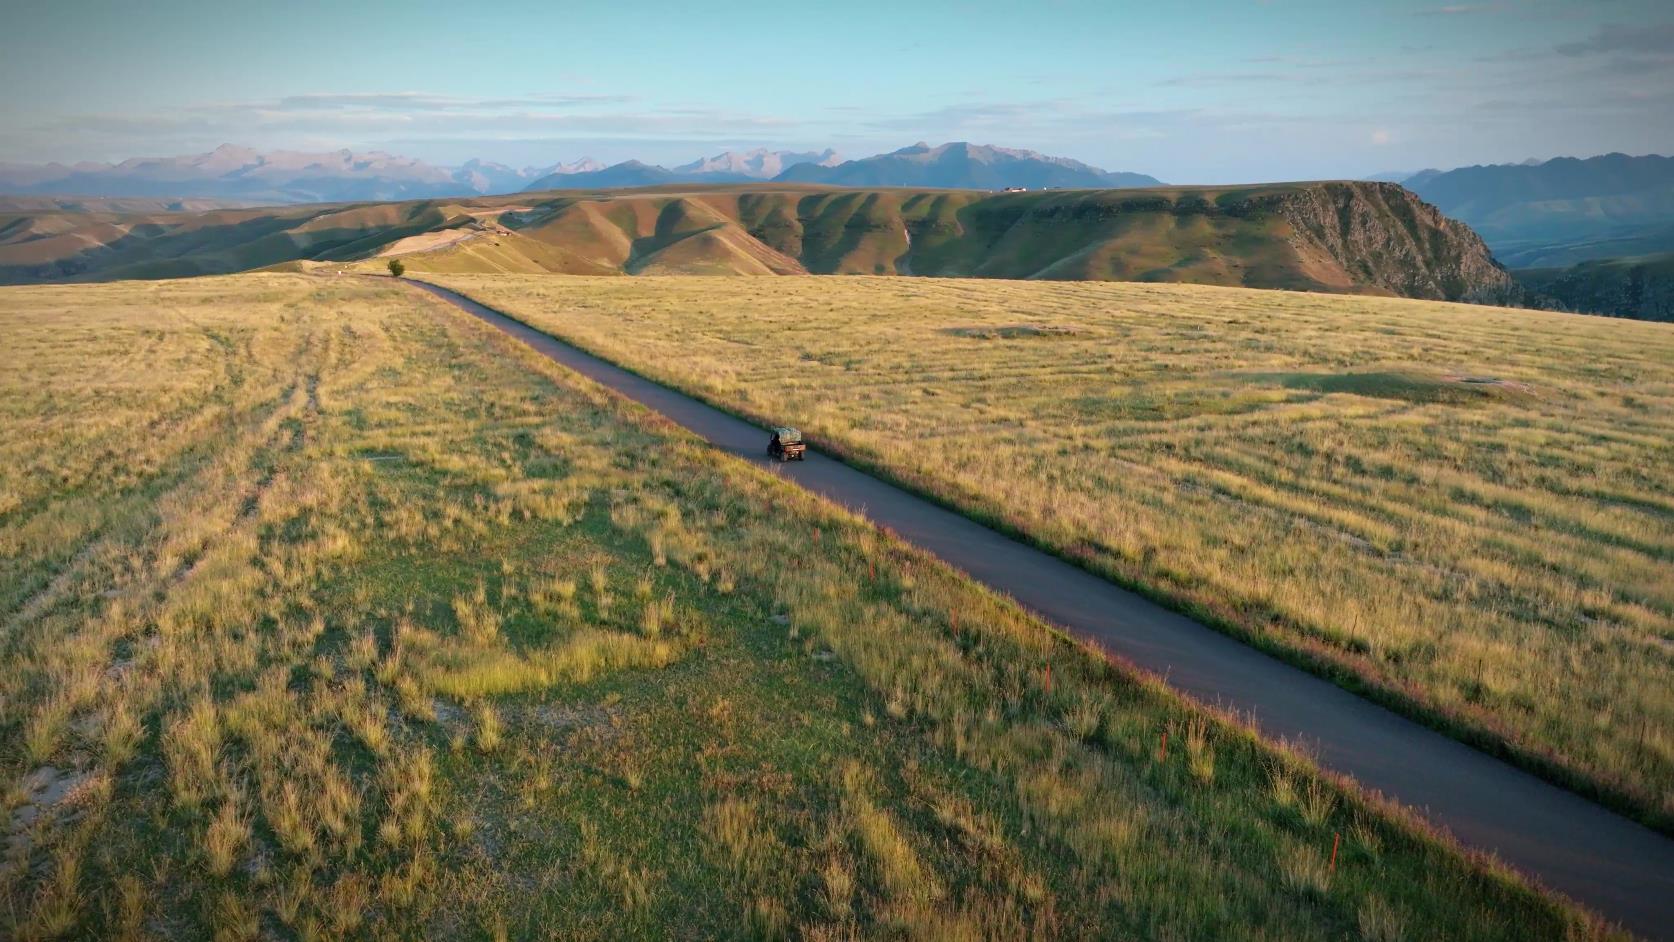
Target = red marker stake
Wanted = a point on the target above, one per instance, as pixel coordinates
(1162, 754)
(1336, 836)
(1049, 677)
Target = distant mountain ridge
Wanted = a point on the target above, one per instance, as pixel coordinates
(759, 164)
(240, 173)
(245, 175)
(1560, 211)
(1593, 235)
(954, 166)
(628, 173)
(963, 166)
(726, 167)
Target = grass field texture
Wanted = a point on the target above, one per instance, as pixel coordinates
(329, 612)
(1468, 510)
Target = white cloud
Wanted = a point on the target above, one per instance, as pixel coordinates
(1462, 9)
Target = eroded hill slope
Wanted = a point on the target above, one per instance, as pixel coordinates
(1336, 236)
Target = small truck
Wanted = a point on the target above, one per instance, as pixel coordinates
(786, 445)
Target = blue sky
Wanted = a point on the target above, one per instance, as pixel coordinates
(1189, 92)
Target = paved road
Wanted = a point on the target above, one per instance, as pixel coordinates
(1620, 868)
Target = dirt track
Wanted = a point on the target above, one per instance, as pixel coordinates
(1620, 868)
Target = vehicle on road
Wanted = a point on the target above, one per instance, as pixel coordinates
(786, 445)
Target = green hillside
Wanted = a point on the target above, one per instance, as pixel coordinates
(1335, 237)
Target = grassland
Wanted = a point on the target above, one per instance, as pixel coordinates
(1330, 477)
(329, 612)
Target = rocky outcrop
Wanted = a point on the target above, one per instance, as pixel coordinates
(1384, 235)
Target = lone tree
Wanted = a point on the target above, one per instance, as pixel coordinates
(396, 268)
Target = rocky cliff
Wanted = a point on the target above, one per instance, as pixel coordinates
(1381, 234)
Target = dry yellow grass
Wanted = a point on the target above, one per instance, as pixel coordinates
(330, 612)
(1323, 474)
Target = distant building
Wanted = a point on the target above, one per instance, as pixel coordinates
(1017, 189)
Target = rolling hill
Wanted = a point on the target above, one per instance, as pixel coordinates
(1337, 237)
(70, 246)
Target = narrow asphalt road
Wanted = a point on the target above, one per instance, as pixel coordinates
(1620, 868)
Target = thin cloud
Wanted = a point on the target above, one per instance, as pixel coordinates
(1060, 118)
(1461, 9)
(1656, 41)
(419, 101)
(1347, 75)
(375, 120)
(1205, 79)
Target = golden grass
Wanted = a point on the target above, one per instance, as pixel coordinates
(324, 669)
(1330, 476)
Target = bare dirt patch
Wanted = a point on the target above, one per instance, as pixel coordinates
(427, 242)
(44, 789)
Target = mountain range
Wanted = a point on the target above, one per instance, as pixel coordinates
(241, 174)
(759, 164)
(1562, 211)
(726, 167)
(1593, 234)
(961, 166)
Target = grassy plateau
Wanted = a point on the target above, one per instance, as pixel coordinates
(328, 612)
(1468, 511)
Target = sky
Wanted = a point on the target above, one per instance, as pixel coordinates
(1189, 92)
